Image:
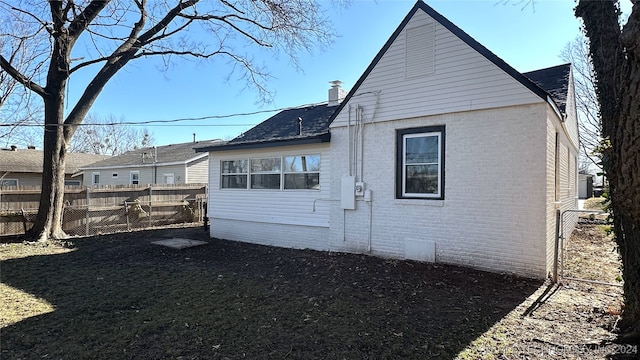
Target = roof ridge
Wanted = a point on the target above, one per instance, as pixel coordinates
(462, 35)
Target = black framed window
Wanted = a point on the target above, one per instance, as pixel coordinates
(420, 163)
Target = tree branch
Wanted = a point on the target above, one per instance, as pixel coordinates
(19, 77)
(82, 21)
(225, 18)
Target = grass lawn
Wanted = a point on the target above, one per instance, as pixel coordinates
(119, 297)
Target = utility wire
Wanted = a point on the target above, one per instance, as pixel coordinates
(173, 121)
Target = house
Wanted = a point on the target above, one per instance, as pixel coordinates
(23, 167)
(441, 152)
(169, 164)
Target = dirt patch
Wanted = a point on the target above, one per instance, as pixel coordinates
(119, 296)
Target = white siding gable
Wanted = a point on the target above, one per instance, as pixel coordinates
(462, 78)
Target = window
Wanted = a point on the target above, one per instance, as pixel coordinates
(95, 178)
(169, 179)
(298, 172)
(8, 182)
(135, 177)
(302, 172)
(72, 183)
(234, 174)
(114, 175)
(420, 163)
(265, 173)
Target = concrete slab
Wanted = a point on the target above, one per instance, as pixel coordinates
(179, 243)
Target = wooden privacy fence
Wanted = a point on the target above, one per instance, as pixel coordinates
(103, 210)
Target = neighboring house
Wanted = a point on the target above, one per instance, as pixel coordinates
(440, 152)
(23, 167)
(585, 185)
(169, 164)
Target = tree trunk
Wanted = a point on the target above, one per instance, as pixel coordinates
(616, 63)
(48, 223)
(623, 172)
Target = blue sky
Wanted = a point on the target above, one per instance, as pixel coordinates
(527, 38)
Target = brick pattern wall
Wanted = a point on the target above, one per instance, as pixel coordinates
(492, 216)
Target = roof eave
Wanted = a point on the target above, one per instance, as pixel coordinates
(157, 164)
(316, 139)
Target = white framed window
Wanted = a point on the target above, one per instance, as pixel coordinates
(420, 163)
(301, 172)
(295, 172)
(8, 182)
(234, 174)
(265, 173)
(135, 177)
(95, 178)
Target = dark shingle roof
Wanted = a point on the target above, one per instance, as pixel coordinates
(555, 81)
(173, 153)
(30, 160)
(283, 128)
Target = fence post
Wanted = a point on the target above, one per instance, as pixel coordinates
(24, 221)
(555, 249)
(150, 205)
(87, 212)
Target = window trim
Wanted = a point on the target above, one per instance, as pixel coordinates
(223, 174)
(131, 177)
(400, 159)
(285, 173)
(267, 172)
(93, 178)
(282, 172)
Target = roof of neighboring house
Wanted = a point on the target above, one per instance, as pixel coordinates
(30, 161)
(555, 81)
(156, 155)
(420, 5)
(303, 125)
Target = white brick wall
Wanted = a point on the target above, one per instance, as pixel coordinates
(492, 216)
(282, 235)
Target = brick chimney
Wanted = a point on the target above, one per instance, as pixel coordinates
(336, 94)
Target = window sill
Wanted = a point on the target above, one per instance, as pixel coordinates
(419, 202)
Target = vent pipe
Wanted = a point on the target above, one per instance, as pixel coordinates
(299, 126)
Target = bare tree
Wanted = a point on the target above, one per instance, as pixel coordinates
(114, 32)
(614, 50)
(577, 53)
(108, 136)
(17, 107)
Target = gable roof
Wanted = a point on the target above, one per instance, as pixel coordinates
(173, 154)
(30, 160)
(466, 38)
(555, 81)
(284, 128)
